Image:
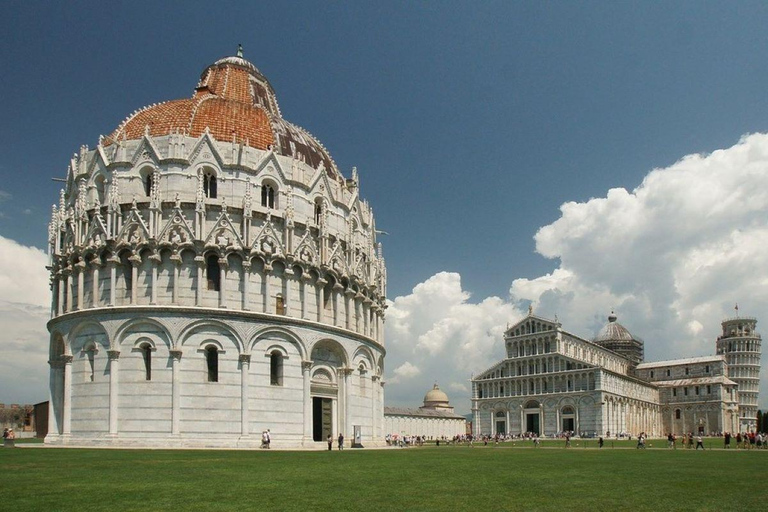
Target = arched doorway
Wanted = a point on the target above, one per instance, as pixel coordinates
(501, 423)
(328, 407)
(567, 419)
(532, 413)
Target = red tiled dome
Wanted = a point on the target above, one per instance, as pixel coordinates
(235, 102)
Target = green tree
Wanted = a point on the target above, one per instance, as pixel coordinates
(759, 420)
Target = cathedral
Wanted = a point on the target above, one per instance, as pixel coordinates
(552, 381)
(214, 276)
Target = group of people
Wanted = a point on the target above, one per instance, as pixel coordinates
(747, 440)
(340, 441)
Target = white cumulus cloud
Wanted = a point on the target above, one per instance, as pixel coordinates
(24, 311)
(673, 257)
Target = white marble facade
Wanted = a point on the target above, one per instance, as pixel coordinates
(552, 381)
(205, 290)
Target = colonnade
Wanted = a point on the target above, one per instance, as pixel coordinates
(315, 300)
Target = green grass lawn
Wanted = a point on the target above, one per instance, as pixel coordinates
(446, 478)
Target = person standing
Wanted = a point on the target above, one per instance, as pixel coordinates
(727, 440)
(600, 442)
(341, 441)
(330, 442)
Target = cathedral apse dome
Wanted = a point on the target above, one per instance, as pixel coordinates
(214, 275)
(617, 338)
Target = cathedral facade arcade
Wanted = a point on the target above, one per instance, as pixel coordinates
(214, 276)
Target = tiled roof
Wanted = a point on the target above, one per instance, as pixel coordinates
(678, 362)
(235, 102)
(696, 381)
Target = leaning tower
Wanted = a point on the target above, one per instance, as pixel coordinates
(740, 344)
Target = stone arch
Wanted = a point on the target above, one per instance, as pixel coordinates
(365, 356)
(80, 328)
(190, 329)
(286, 335)
(532, 404)
(58, 346)
(331, 352)
(324, 373)
(128, 325)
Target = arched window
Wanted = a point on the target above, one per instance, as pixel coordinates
(677, 414)
(267, 196)
(279, 305)
(146, 354)
(209, 184)
(148, 184)
(91, 369)
(276, 368)
(101, 188)
(500, 414)
(212, 362)
(318, 212)
(213, 272)
(127, 268)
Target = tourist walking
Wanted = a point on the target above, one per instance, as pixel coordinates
(341, 441)
(727, 440)
(600, 442)
(330, 442)
(699, 442)
(567, 440)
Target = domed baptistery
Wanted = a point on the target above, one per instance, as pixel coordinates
(214, 276)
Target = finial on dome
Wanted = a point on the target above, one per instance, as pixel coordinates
(435, 386)
(530, 309)
(240, 50)
(612, 317)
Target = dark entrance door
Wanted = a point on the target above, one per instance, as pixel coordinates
(321, 418)
(568, 425)
(532, 423)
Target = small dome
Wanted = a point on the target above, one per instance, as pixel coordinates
(435, 396)
(613, 331)
(617, 338)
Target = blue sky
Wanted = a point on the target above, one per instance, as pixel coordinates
(471, 123)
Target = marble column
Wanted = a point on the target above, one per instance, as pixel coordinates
(347, 427)
(175, 391)
(66, 413)
(348, 294)
(374, 407)
(176, 262)
(112, 264)
(66, 272)
(60, 287)
(306, 369)
(246, 300)
(95, 265)
(338, 288)
(80, 271)
(199, 281)
(154, 262)
(245, 365)
(320, 305)
(54, 392)
(135, 262)
(269, 307)
(223, 267)
(306, 284)
(114, 389)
